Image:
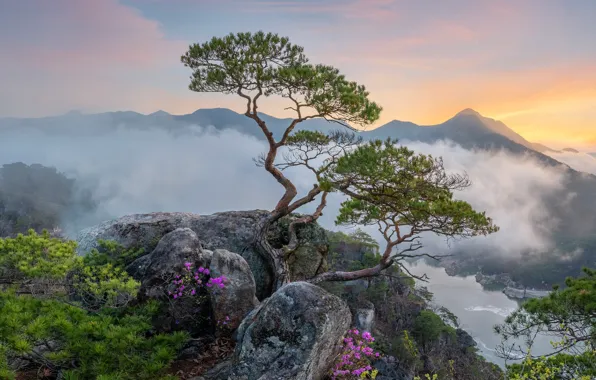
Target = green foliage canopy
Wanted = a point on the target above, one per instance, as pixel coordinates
(266, 64)
(70, 314)
(568, 315)
(394, 185)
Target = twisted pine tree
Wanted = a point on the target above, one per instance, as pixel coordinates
(403, 193)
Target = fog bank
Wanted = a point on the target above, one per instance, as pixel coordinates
(206, 171)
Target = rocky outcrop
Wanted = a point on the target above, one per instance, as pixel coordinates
(364, 316)
(464, 340)
(294, 334)
(232, 231)
(521, 294)
(494, 280)
(308, 261)
(167, 260)
(157, 271)
(232, 303)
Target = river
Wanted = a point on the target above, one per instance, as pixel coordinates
(478, 310)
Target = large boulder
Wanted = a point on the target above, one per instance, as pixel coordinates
(232, 303)
(167, 260)
(157, 271)
(294, 334)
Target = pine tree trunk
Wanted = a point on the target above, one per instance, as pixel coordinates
(275, 257)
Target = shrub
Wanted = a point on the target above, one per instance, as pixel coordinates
(428, 327)
(61, 337)
(83, 326)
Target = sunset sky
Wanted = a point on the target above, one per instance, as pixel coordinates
(531, 64)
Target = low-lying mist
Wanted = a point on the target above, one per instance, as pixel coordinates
(206, 171)
(579, 161)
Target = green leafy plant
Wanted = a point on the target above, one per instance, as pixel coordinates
(71, 315)
(59, 337)
(568, 316)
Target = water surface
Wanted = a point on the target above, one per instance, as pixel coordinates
(478, 310)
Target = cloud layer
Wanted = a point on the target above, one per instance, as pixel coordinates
(582, 162)
(138, 171)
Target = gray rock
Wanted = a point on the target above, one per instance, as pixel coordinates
(521, 294)
(156, 272)
(464, 340)
(237, 298)
(233, 231)
(294, 334)
(308, 261)
(364, 317)
(391, 369)
(166, 260)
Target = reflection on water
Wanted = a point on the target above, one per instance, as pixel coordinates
(478, 310)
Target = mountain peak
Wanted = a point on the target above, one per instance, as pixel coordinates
(159, 113)
(468, 111)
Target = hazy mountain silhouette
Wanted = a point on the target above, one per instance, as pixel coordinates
(467, 128)
(570, 150)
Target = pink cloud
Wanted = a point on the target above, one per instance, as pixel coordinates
(379, 10)
(65, 54)
(68, 34)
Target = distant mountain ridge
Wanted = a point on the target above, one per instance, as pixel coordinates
(467, 128)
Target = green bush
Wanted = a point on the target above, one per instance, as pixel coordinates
(60, 336)
(568, 316)
(37, 256)
(71, 314)
(428, 327)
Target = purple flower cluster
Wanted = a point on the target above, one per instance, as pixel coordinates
(355, 357)
(190, 281)
(224, 322)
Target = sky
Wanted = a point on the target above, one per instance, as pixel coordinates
(531, 64)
